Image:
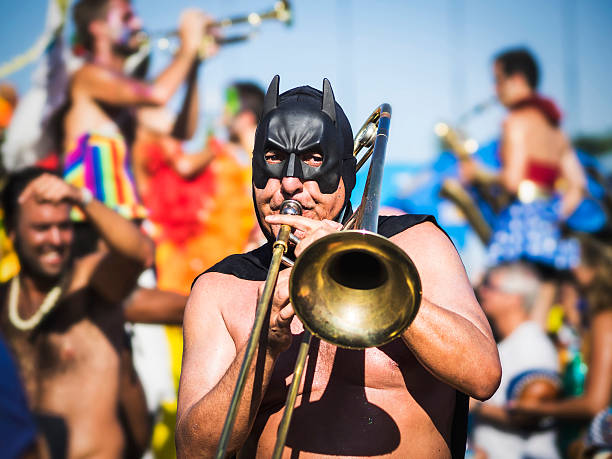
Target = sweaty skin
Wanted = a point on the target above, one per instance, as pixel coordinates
(395, 401)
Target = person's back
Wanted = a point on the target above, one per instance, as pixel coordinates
(533, 147)
(544, 143)
(539, 171)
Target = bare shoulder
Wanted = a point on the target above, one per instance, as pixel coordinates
(213, 326)
(443, 277)
(435, 257)
(220, 289)
(86, 73)
(224, 296)
(90, 77)
(427, 244)
(520, 120)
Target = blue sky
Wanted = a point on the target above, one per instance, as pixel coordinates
(429, 59)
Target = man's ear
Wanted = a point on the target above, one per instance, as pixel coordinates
(518, 78)
(96, 27)
(12, 235)
(247, 117)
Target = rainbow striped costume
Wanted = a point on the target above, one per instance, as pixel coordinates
(101, 163)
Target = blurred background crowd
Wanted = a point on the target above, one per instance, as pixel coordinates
(502, 129)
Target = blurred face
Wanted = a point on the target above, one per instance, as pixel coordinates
(123, 26)
(237, 123)
(316, 205)
(584, 275)
(493, 299)
(510, 89)
(43, 238)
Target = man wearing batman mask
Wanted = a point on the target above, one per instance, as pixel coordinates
(404, 399)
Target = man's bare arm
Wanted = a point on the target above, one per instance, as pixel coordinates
(450, 335)
(102, 84)
(212, 361)
(187, 119)
(154, 306)
(114, 274)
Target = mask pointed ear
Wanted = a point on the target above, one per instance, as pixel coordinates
(271, 98)
(329, 103)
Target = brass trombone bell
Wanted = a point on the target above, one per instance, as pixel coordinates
(355, 289)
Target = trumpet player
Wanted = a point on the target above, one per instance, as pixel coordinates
(407, 398)
(100, 120)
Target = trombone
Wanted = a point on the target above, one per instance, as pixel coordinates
(280, 11)
(347, 307)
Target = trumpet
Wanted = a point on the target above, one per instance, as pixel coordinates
(463, 147)
(281, 11)
(335, 302)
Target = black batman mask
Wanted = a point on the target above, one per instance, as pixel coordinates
(300, 121)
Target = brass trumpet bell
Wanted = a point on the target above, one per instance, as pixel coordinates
(355, 289)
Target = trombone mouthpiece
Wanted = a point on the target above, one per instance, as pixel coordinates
(291, 207)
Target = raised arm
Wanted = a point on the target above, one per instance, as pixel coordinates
(114, 273)
(218, 317)
(99, 83)
(450, 335)
(186, 122)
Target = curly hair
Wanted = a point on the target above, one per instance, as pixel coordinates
(598, 256)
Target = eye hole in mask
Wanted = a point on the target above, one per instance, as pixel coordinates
(312, 159)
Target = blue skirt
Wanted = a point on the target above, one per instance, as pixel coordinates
(531, 231)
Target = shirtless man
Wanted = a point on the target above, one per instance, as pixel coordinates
(62, 316)
(399, 400)
(99, 124)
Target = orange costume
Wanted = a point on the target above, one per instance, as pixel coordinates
(198, 221)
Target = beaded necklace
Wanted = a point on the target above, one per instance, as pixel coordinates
(46, 306)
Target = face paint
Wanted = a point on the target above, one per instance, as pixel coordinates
(297, 124)
(232, 101)
(125, 28)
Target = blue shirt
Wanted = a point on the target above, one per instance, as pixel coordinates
(17, 426)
